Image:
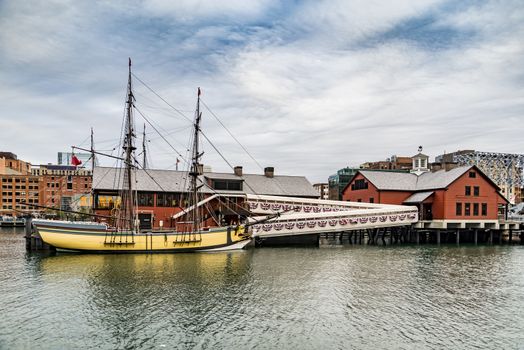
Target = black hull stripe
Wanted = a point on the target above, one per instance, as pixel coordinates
(164, 251)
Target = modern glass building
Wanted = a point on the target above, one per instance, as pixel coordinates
(339, 181)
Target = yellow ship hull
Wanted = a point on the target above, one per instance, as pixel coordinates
(97, 239)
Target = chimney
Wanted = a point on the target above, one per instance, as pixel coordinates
(238, 170)
(269, 171)
(449, 166)
(436, 166)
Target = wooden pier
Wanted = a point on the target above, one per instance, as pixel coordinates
(389, 236)
(33, 241)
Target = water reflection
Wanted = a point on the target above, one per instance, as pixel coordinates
(354, 297)
(135, 298)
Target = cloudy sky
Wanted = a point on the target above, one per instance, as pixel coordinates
(305, 86)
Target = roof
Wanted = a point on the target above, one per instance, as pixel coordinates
(105, 178)
(419, 197)
(383, 180)
(420, 155)
(177, 181)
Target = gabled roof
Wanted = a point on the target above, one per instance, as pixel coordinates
(385, 180)
(409, 182)
(105, 178)
(155, 180)
(420, 155)
(392, 181)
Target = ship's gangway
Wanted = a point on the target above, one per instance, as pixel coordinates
(302, 216)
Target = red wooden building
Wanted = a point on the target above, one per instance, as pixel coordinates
(161, 194)
(458, 194)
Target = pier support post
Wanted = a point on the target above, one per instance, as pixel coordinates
(490, 236)
(458, 237)
(417, 236)
(438, 237)
(510, 236)
(475, 236)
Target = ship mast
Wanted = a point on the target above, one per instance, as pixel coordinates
(128, 195)
(92, 170)
(196, 168)
(144, 161)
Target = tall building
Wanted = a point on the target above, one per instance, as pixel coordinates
(505, 169)
(323, 190)
(64, 186)
(17, 185)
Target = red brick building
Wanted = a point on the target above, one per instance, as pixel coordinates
(462, 193)
(17, 186)
(63, 186)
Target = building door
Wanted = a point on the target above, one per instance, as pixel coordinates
(427, 212)
(145, 221)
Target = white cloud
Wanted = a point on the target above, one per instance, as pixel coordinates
(308, 89)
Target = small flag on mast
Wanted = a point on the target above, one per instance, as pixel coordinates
(199, 92)
(75, 161)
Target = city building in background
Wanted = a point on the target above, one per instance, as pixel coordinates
(66, 158)
(323, 190)
(64, 186)
(11, 165)
(339, 181)
(17, 185)
(505, 169)
(393, 163)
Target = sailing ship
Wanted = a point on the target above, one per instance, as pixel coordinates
(125, 235)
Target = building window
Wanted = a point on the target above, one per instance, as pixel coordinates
(476, 191)
(467, 209)
(231, 185)
(359, 200)
(360, 184)
(472, 174)
(475, 209)
(69, 185)
(458, 209)
(371, 200)
(166, 200)
(468, 191)
(145, 199)
(484, 209)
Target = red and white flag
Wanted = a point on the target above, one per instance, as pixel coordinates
(75, 161)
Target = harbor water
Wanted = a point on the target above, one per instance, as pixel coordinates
(401, 297)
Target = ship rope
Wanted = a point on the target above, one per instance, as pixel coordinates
(184, 159)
